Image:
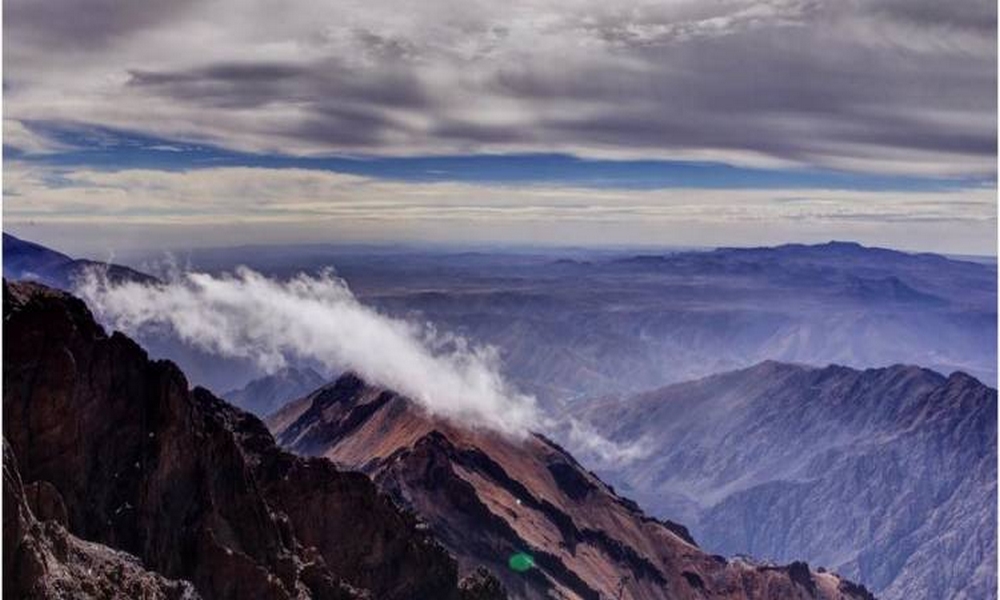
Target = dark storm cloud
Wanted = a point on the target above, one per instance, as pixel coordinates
(788, 96)
(84, 23)
(861, 84)
(385, 47)
(226, 84)
(327, 87)
(351, 127)
(978, 15)
(250, 73)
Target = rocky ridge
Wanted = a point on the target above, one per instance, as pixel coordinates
(193, 488)
(886, 475)
(492, 499)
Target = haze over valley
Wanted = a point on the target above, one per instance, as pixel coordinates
(580, 323)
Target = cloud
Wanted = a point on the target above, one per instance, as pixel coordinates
(865, 85)
(22, 138)
(317, 318)
(589, 445)
(246, 315)
(98, 210)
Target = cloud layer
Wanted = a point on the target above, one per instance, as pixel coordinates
(873, 85)
(246, 315)
(94, 211)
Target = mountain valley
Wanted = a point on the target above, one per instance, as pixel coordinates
(875, 469)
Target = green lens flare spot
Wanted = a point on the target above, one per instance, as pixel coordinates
(521, 562)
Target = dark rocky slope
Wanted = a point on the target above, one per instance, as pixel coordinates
(41, 560)
(488, 497)
(887, 475)
(193, 487)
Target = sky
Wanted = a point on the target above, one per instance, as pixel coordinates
(146, 125)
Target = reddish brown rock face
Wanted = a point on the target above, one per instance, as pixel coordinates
(488, 497)
(117, 447)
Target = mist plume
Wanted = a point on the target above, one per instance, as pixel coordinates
(316, 317)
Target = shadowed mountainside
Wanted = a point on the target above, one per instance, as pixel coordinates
(42, 560)
(193, 487)
(488, 497)
(27, 260)
(887, 475)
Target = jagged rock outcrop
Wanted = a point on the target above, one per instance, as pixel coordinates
(481, 584)
(193, 487)
(42, 561)
(886, 475)
(489, 498)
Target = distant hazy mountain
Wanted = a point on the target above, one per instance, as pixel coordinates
(887, 475)
(572, 324)
(496, 501)
(267, 394)
(586, 323)
(27, 260)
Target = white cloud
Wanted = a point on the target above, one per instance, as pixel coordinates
(317, 318)
(249, 316)
(16, 135)
(589, 445)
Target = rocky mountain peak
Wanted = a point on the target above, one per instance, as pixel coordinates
(193, 488)
(494, 501)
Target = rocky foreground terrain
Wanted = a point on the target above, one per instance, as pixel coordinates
(129, 459)
(42, 560)
(887, 475)
(121, 482)
(489, 499)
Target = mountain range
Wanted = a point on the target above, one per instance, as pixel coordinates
(579, 324)
(157, 490)
(490, 499)
(266, 394)
(572, 324)
(130, 460)
(886, 475)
